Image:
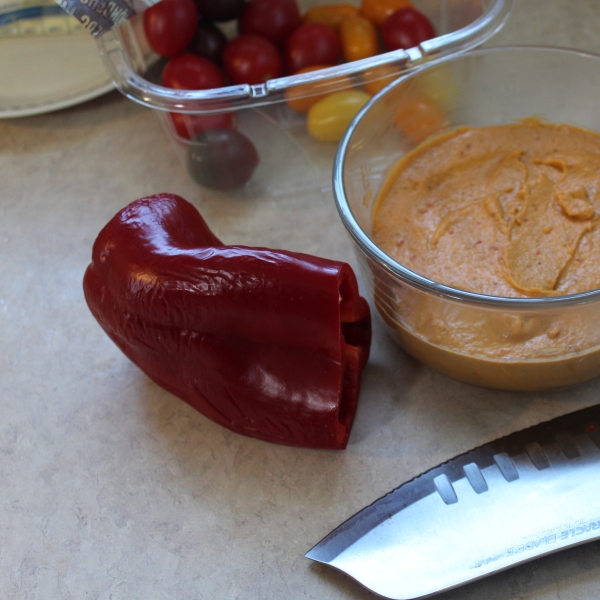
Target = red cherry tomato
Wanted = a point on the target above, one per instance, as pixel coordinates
(192, 72)
(406, 28)
(311, 44)
(187, 126)
(272, 19)
(251, 59)
(170, 25)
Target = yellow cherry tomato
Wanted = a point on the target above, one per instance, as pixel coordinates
(328, 119)
(302, 97)
(439, 85)
(359, 38)
(376, 78)
(377, 11)
(330, 14)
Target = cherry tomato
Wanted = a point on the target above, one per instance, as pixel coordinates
(272, 19)
(220, 10)
(359, 38)
(311, 44)
(301, 98)
(154, 72)
(170, 25)
(377, 11)
(328, 119)
(208, 41)
(251, 59)
(419, 117)
(330, 14)
(376, 78)
(406, 28)
(221, 159)
(187, 126)
(192, 72)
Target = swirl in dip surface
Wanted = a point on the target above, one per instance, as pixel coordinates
(509, 211)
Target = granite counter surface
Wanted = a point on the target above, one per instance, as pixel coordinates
(111, 488)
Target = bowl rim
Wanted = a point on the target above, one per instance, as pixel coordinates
(396, 269)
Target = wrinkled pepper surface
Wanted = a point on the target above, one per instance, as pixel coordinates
(268, 343)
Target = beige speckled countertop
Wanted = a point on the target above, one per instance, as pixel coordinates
(111, 488)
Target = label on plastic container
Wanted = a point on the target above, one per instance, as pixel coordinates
(99, 16)
(34, 18)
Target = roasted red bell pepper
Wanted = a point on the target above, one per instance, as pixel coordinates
(268, 343)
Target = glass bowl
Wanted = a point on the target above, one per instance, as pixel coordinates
(290, 160)
(489, 341)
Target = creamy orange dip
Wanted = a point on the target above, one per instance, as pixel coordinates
(510, 211)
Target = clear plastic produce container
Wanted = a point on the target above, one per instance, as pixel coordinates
(290, 160)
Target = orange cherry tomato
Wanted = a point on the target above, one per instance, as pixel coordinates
(330, 14)
(376, 78)
(359, 38)
(378, 11)
(304, 96)
(328, 119)
(419, 117)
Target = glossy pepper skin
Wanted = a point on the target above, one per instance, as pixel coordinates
(268, 343)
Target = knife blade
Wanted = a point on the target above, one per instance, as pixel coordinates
(523, 496)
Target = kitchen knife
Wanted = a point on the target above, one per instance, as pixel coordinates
(523, 496)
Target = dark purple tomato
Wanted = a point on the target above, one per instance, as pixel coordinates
(192, 72)
(220, 10)
(187, 126)
(272, 19)
(406, 28)
(311, 44)
(170, 25)
(221, 159)
(251, 59)
(208, 41)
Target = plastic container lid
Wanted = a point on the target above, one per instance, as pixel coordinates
(468, 24)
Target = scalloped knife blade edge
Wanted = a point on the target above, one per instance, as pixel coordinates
(523, 496)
